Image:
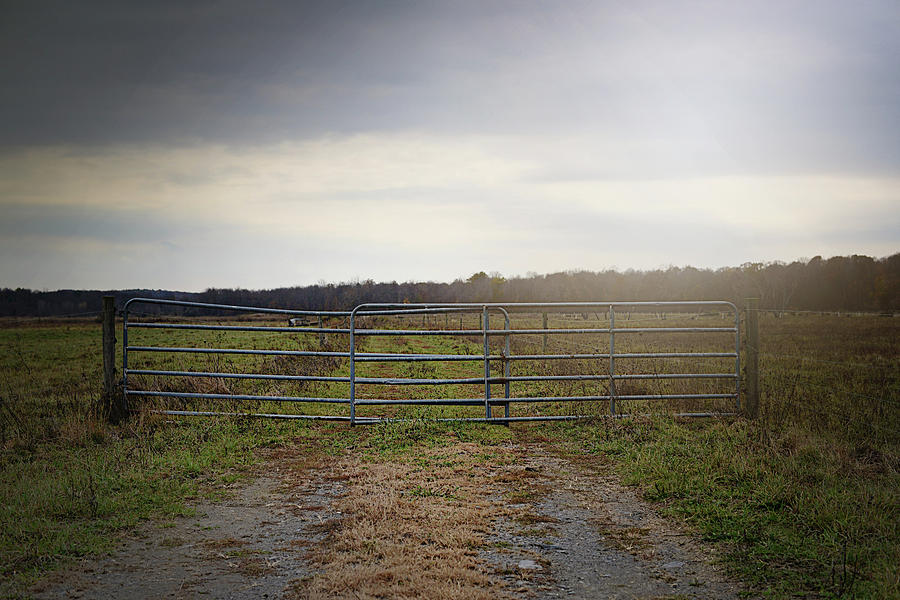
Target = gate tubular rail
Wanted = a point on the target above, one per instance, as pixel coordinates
(486, 333)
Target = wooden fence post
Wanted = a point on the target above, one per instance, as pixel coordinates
(751, 358)
(321, 335)
(114, 401)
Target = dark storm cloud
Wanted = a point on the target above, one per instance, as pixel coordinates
(131, 71)
(791, 86)
(96, 72)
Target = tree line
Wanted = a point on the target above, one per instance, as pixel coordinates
(840, 283)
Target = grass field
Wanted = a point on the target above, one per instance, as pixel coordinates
(803, 501)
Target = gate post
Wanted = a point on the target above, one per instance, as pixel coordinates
(113, 402)
(506, 354)
(353, 366)
(544, 344)
(485, 325)
(612, 360)
(751, 346)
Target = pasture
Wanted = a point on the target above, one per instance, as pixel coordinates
(801, 501)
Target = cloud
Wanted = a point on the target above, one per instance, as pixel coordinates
(416, 206)
(785, 205)
(113, 224)
(226, 143)
(773, 87)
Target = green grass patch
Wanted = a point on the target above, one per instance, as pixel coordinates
(797, 519)
(803, 502)
(62, 501)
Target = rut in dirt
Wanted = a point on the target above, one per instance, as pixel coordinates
(457, 520)
(582, 535)
(250, 546)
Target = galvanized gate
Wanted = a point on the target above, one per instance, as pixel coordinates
(626, 351)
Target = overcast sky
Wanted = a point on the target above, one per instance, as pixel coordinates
(187, 145)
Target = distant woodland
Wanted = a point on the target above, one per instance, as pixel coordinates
(840, 283)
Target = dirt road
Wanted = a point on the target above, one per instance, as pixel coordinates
(460, 520)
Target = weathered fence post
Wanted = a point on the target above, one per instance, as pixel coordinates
(751, 321)
(114, 402)
(321, 334)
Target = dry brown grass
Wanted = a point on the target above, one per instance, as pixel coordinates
(222, 543)
(253, 566)
(409, 530)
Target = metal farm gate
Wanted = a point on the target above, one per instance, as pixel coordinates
(548, 361)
